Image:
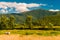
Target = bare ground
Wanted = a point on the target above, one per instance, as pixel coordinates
(28, 37)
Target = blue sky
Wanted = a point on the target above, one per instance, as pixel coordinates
(50, 4)
(55, 3)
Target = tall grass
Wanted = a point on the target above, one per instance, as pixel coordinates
(32, 32)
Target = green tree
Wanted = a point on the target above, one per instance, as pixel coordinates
(29, 22)
(11, 22)
(3, 22)
(50, 25)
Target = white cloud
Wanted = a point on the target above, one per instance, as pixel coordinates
(19, 7)
(3, 11)
(35, 5)
(54, 10)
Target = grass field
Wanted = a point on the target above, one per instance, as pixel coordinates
(32, 32)
(30, 35)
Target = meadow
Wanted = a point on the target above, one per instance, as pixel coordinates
(32, 32)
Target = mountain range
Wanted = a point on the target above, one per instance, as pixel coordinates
(36, 14)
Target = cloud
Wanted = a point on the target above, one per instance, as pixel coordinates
(35, 5)
(19, 7)
(54, 10)
(3, 11)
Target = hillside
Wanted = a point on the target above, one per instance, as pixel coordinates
(39, 18)
(37, 14)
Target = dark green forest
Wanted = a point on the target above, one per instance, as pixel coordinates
(32, 19)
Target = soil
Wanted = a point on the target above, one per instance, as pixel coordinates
(28, 37)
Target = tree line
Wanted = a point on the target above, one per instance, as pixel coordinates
(44, 22)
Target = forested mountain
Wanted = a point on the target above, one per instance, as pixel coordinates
(35, 17)
(36, 14)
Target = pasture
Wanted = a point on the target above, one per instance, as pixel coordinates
(32, 32)
(30, 35)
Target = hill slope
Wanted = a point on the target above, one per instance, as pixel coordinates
(37, 14)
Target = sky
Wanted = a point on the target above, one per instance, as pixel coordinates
(17, 6)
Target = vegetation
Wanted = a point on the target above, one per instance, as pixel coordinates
(32, 19)
(32, 32)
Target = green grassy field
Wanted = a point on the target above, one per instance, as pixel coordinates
(32, 32)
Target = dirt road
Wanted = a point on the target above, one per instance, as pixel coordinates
(28, 37)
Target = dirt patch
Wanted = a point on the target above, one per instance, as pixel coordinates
(9, 37)
(28, 37)
(40, 37)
